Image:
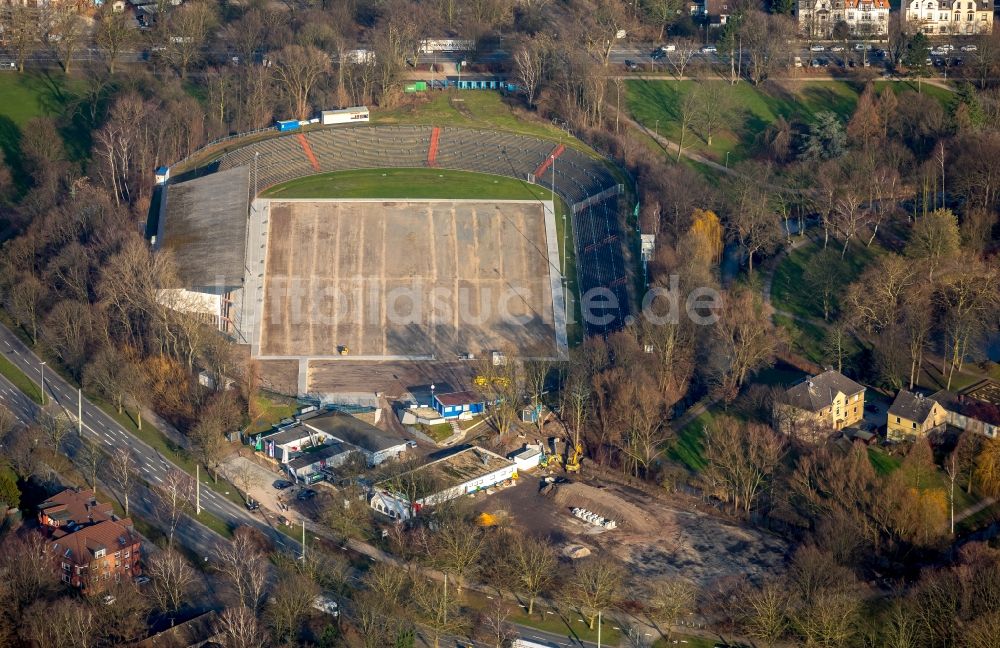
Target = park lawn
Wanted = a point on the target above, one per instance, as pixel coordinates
(42, 94)
(806, 338)
(687, 446)
(945, 96)
(20, 380)
(751, 110)
(883, 462)
(790, 293)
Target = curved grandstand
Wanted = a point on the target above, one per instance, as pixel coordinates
(219, 230)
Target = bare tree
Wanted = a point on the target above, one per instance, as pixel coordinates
(22, 28)
(114, 35)
(713, 101)
(171, 580)
(187, 29)
(65, 32)
(495, 621)
(762, 612)
(438, 610)
(594, 587)
(174, 498)
(687, 113)
(457, 547)
(766, 38)
(245, 477)
(123, 471)
(241, 628)
(670, 600)
(747, 340)
(529, 67)
(741, 458)
(90, 458)
(684, 52)
(298, 69)
(244, 567)
(534, 564)
(289, 604)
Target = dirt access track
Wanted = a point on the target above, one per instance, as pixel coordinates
(406, 280)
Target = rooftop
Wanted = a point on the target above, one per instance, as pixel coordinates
(193, 632)
(966, 405)
(289, 434)
(79, 506)
(912, 407)
(813, 394)
(453, 470)
(307, 459)
(205, 227)
(457, 399)
(82, 546)
(354, 431)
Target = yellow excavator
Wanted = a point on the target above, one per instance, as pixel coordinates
(573, 461)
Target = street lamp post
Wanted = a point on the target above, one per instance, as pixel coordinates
(42, 370)
(656, 129)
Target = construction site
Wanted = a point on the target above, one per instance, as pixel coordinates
(583, 516)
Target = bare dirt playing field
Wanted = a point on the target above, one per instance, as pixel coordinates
(398, 280)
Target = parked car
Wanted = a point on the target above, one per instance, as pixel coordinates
(668, 48)
(947, 47)
(305, 494)
(630, 65)
(969, 48)
(141, 580)
(837, 48)
(860, 47)
(815, 63)
(252, 504)
(282, 484)
(817, 48)
(709, 49)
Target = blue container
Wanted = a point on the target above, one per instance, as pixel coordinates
(288, 125)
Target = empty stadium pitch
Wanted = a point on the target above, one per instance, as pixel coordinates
(386, 279)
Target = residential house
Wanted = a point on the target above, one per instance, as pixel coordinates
(914, 415)
(949, 17)
(73, 508)
(970, 414)
(820, 404)
(718, 12)
(97, 555)
(866, 18)
(817, 18)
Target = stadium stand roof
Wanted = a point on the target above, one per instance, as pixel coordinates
(206, 225)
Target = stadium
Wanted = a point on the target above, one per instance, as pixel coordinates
(339, 256)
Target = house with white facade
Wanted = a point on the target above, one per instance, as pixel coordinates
(949, 17)
(862, 18)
